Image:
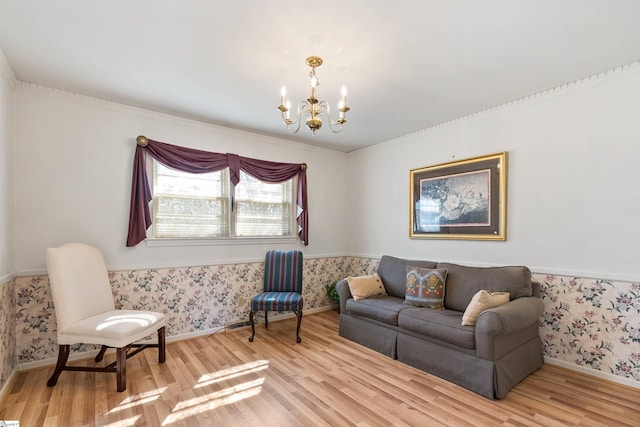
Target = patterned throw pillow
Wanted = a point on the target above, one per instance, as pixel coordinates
(481, 301)
(425, 287)
(362, 287)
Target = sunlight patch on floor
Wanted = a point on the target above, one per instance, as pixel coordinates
(234, 372)
(201, 404)
(127, 422)
(138, 399)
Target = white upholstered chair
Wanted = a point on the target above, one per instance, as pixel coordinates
(86, 313)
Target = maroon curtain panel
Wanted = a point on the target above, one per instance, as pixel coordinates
(199, 161)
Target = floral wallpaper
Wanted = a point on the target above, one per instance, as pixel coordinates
(193, 298)
(8, 362)
(592, 322)
(587, 322)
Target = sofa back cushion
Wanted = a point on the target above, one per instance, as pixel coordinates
(464, 282)
(394, 275)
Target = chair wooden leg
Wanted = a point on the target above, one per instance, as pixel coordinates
(253, 327)
(63, 355)
(121, 368)
(299, 314)
(162, 353)
(100, 355)
(266, 319)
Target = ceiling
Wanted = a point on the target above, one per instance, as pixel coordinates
(407, 65)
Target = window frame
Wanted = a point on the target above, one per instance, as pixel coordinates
(154, 241)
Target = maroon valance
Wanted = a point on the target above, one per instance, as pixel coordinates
(198, 161)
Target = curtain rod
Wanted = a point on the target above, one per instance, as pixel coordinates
(142, 141)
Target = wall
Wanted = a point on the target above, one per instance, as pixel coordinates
(572, 203)
(572, 209)
(593, 324)
(74, 160)
(572, 154)
(7, 302)
(195, 300)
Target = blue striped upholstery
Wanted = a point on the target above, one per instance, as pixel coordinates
(282, 283)
(276, 301)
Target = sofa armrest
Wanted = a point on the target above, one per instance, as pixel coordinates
(535, 289)
(342, 287)
(507, 321)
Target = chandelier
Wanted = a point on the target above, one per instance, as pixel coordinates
(312, 107)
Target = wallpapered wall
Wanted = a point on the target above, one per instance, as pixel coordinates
(193, 298)
(592, 322)
(588, 322)
(8, 361)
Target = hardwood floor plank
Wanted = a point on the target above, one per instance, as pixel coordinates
(224, 380)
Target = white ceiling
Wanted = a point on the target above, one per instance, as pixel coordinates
(408, 65)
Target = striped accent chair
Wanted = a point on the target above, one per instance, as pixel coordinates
(282, 289)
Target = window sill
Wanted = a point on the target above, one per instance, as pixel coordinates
(221, 242)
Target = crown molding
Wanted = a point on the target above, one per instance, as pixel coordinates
(562, 90)
(164, 117)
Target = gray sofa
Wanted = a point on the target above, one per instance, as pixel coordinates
(489, 358)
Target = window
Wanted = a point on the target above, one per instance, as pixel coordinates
(262, 209)
(207, 205)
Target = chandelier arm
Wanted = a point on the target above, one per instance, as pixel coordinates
(334, 126)
(302, 106)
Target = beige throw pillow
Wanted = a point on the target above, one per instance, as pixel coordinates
(481, 301)
(362, 287)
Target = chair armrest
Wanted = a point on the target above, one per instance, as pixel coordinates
(342, 287)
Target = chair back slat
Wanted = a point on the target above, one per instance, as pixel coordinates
(283, 271)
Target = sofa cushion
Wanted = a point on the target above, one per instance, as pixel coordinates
(393, 274)
(443, 325)
(425, 287)
(481, 301)
(463, 283)
(362, 287)
(384, 309)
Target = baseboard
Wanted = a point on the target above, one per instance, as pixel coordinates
(180, 337)
(592, 372)
(284, 316)
(90, 354)
(4, 391)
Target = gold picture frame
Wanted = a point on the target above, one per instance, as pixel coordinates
(465, 199)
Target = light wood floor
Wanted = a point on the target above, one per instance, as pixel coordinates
(223, 380)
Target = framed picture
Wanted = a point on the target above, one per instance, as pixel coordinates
(466, 199)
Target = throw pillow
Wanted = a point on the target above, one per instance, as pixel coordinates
(425, 287)
(362, 287)
(481, 301)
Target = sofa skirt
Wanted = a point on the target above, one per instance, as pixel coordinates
(489, 379)
(376, 335)
(457, 367)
